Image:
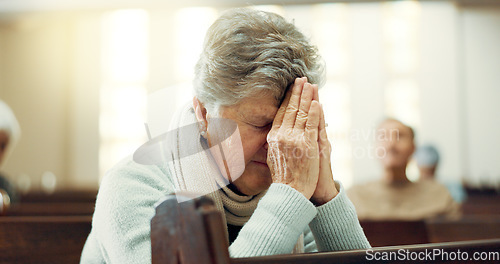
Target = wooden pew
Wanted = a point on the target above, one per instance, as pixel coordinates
(482, 202)
(465, 229)
(60, 196)
(60, 203)
(178, 230)
(392, 233)
(43, 239)
(51, 209)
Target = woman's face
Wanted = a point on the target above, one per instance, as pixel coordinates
(254, 117)
(395, 143)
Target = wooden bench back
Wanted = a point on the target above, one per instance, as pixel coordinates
(391, 233)
(60, 203)
(43, 239)
(188, 232)
(60, 196)
(465, 229)
(52, 209)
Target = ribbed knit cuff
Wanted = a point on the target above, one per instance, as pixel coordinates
(280, 218)
(336, 226)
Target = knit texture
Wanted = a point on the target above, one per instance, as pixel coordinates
(125, 205)
(279, 220)
(334, 225)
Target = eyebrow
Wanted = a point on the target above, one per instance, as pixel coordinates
(260, 119)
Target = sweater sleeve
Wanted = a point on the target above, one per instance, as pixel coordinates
(121, 222)
(309, 241)
(336, 226)
(279, 219)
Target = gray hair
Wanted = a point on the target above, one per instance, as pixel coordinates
(249, 52)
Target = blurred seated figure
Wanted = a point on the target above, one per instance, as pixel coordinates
(394, 197)
(427, 158)
(9, 135)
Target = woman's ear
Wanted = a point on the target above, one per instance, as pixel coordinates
(201, 115)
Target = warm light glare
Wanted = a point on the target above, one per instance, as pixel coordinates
(191, 25)
(336, 105)
(401, 39)
(126, 52)
(331, 36)
(125, 47)
(270, 8)
(402, 101)
(401, 36)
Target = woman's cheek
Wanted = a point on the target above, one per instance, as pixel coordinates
(229, 150)
(251, 144)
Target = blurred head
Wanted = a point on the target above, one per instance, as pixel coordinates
(395, 142)
(427, 158)
(9, 131)
(249, 59)
(4, 142)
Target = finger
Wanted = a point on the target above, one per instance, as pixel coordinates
(305, 104)
(322, 122)
(278, 118)
(323, 135)
(293, 104)
(315, 93)
(313, 121)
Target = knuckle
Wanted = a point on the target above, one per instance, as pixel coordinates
(281, 110)
(291, 108)
(281, 140)
(301, 114)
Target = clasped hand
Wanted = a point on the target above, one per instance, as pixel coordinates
(299, 150)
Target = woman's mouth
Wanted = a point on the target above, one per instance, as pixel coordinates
(260, 163)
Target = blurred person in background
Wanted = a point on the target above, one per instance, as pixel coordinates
(394, 196)
(427, 158)
(9, 135)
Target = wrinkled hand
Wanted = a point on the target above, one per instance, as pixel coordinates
(293, 152)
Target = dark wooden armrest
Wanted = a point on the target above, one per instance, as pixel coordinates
(189, 232)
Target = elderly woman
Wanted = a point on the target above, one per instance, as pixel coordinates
(256, 70)
(9, 135)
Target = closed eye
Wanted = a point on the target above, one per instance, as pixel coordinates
(266, 126)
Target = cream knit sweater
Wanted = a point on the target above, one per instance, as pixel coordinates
(125, 205)
(278, 221)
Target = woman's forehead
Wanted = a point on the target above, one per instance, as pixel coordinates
(393, 126)
(258, 109)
